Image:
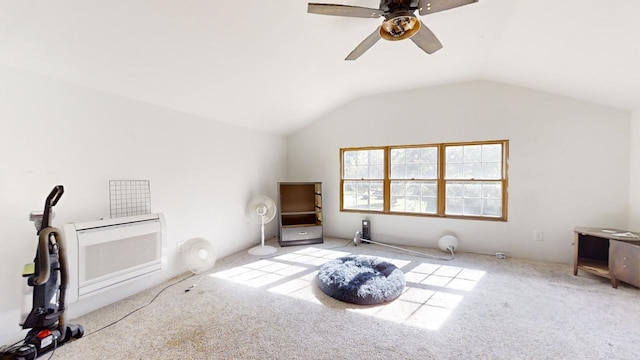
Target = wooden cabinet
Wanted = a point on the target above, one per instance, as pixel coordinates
(624, 262)
(610, 253)
(300, 217)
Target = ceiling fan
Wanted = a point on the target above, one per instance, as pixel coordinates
(400, 21)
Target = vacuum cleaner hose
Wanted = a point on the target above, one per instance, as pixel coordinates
(43, 256)
(64, 279)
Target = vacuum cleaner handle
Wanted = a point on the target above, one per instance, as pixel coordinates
(52, 200)
(55, 195)
(45, 231)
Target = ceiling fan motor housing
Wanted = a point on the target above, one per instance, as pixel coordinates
(393, 6)
(401, 23)
(400, 26)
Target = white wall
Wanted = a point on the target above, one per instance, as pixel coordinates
(568, 166)
(202, 173)
(634, 179)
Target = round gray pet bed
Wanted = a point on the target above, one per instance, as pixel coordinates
(362, 280)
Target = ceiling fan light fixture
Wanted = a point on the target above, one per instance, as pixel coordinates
(400, 21)
(399, 27)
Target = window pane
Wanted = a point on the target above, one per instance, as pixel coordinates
(413, 188)
(491, 190)
(481, 162)
(491, 170)
(472, 153)
(363, 195)
(414, 163)
(455, 189)
(414, 171)
(363, 157)
(413, 155)
(376, 157)
(492, 153)
(412, 204)
(363, 164)
(472, 190)
(349, 157)
(349, 198)
(453, 154)
(430, 205)
(430, 189)
(474, 198)
(414, 197)
(454, 206)
(397, 156)
(377, 171)
(472, 171)
(363, 172)
(350, 172)
(454, 171)
(399, 171)
(472, 206)
(377, 190)
(429, 154)
(429, 171)
(492, 207)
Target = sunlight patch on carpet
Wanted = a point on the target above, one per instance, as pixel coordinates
(312, 256)
(423, 304)
(259, 273)
(303, 287)
(432, 292)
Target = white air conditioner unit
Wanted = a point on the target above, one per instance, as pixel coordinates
(103, 254)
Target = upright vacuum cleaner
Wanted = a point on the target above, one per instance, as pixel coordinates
(48, 276)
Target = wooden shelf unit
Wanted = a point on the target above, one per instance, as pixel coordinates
(300, 216)
(600, 252)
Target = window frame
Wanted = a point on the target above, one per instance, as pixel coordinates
(441, 181)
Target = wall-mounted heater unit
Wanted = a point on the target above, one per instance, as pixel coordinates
(103, 254)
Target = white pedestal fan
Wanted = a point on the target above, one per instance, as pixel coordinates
(262, 209)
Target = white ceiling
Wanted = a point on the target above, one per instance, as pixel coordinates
(271, 66)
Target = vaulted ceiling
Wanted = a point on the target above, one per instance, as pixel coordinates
(271, 66)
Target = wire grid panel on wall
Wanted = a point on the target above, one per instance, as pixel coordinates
(129, 197)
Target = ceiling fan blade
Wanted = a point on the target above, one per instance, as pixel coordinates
(432, 6)
(426, 40)
(365, 45)
(343, 10)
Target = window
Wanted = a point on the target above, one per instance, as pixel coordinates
(363, 179)
(466, 180)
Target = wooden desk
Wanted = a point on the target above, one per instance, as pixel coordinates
(607, 253)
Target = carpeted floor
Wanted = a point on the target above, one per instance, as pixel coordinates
(474, 307)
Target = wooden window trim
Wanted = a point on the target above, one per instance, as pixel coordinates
(440, 180)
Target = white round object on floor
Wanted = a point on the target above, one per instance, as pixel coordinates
(198, 255)
(262, 250)
(448, 241)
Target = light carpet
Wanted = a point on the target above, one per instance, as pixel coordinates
(474, 307)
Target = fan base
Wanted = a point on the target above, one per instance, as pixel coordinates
(262, 250)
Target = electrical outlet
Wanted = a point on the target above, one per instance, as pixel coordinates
(538, 235)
